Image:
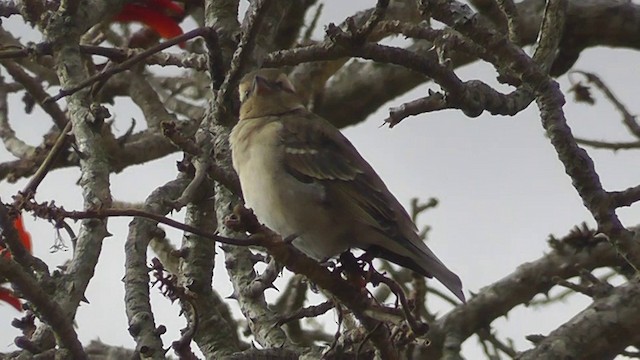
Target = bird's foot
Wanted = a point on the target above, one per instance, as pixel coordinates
(367, 259)
(289, 239)
(353, 269)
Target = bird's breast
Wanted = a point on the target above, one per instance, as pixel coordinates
(281, 201)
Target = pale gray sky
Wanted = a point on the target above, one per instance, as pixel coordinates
(501, 188)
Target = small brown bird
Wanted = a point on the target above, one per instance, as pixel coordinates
(305, 180)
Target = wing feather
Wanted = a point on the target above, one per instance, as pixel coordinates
(315, 154)
(318, 153)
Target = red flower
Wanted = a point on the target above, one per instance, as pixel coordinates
(25, 237)
(159, 15)
(7, 295)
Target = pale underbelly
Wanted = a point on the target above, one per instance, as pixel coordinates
(302, 212)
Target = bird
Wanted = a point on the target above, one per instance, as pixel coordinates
(306, 181)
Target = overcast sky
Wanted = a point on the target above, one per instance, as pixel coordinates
(501, 188)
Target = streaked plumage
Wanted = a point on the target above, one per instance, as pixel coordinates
(302, 177)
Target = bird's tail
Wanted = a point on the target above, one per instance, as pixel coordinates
(419, 258)
(430, 264)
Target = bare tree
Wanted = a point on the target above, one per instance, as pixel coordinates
(193, 112)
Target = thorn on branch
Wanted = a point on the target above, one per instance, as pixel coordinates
(122, 140)
(265, 280)
(167, 282)
(535, 338)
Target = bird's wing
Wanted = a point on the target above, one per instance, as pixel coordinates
(316, 152)
(319, 153)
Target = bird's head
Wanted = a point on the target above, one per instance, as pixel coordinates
(267, 92)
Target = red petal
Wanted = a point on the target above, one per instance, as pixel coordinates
(164, 25)
(168, 5)
(7, 296)
(25, 237)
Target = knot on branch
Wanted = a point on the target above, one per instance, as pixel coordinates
(474, 98)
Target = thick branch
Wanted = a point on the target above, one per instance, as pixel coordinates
(517, 288)
(136, 281)
(601, 331)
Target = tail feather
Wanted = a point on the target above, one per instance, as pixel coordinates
(445, 276)
(426, 264)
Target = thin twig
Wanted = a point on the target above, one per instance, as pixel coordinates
(550, 100)
(351, 295)
(510, 11)
(312, 25)
(550, 35)
(417, 327)
(12, 142)
(35, 89)
(485, 334)
(625, 197)
(127, 64)
(49, 311)
(434, 102)
(376, 16)
(628, 119)
(214, 58)
(51, 212)
(615, 146)
(240, 58)
(30, 189)
(307, 312)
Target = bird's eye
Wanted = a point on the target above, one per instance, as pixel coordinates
(245, 95)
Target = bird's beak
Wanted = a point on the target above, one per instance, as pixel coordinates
(261, 86)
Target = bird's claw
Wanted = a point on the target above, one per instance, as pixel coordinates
(289, 239)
